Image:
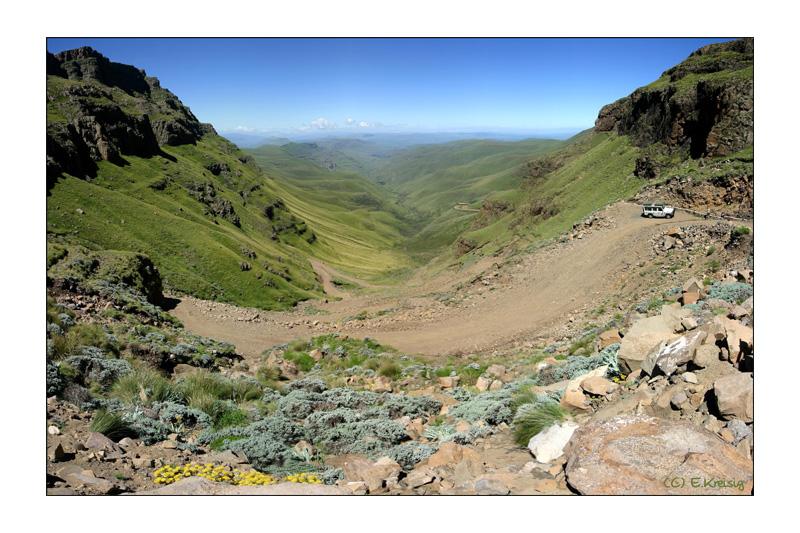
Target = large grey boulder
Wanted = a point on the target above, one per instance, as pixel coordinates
(670, 355)
(637, 454)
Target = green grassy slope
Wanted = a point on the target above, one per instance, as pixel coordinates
(359, 225)
(594, 169)
(434, 178)
(146, 206)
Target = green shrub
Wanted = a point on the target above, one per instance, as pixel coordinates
(231, 417)
(389, 369)
(740, 230)
(202, 387)
(582, 346)
(530, 422)
(469, 374)
(444, 371)
(145, 386)
(110, 425)
(303, 361)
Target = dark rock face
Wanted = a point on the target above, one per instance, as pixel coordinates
(712, 116)
(206, 194)
(104, 112)
(87, 64)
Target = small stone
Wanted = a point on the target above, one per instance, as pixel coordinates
(483, 383)
(690, 377)
(678, 399)
(142, 462)
(491, 487)
(53, 430)
(359, 488)
(55, 453)
(419, 477)
(449, 382)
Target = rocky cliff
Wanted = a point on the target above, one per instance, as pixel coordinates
(99, 110)
(703, 106)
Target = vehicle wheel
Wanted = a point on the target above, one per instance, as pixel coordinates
(671, 215)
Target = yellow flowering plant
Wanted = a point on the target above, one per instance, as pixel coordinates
(168, 474)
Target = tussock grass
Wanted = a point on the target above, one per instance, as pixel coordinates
(534, 421)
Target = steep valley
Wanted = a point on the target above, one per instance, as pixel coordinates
(356, 316)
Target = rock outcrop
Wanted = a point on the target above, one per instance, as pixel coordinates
(646, 455)
(703, 105)
(99, 110)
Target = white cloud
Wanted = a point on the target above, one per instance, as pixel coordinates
(322, 123)
(245, 129)
(350, 121)
(364, 124)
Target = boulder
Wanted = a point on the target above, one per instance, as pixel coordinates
(549, 444)
(358, 468)
(599, 386)
(381, 384)
(316, 354)
(693, 285)
(449, 382)
(688, 298)
(688, 323)
(608, 337)
(642, 337)
(86, 479)
(419, 477)
(55, 453)
(738, 336)
(670, 355)
(498, 371)
(706, 355)
(483, 383)
(637, 455)
(734, 396)
(99, 442)
(573, 393)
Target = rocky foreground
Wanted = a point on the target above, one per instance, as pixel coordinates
(659, 401)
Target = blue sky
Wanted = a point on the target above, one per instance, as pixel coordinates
(297, 85)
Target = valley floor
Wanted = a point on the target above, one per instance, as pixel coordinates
(500, 303)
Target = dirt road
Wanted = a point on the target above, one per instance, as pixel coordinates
(525, 299)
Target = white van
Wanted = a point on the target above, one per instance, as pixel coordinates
(658, 211)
